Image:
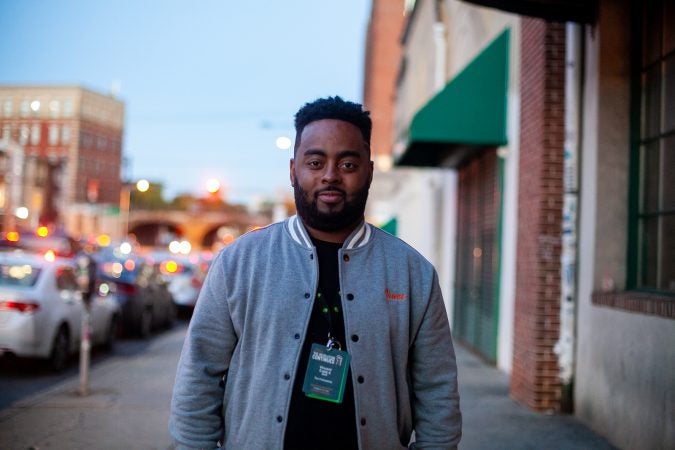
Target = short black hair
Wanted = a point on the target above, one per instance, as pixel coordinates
(333, 108)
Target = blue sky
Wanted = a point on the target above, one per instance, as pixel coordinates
(208, 85)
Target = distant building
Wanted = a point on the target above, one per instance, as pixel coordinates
(67, 143)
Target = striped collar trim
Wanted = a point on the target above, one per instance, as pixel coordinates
(298, 232)
(358, 238)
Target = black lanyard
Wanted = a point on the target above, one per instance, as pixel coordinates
(327, 311)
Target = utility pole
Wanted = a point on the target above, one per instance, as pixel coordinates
(85, 350)
(86, 277)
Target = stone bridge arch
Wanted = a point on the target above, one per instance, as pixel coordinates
(160, 233)
(221, 234)
(201, 229)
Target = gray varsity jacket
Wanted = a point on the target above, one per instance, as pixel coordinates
(236, 371)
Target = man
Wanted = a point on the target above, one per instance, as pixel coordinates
(321, 331)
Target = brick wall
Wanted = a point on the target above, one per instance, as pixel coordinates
(101, 163)
(534, 379)
(383, 54)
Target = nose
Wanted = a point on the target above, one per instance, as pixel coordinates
(331, 175)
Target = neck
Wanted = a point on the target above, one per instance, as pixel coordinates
(338, 236)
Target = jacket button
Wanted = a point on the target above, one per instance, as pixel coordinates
(296, 335)
(307, 295)
(287, 376)
(280, 419)
(363, 420)
(345, 258)
(350, 296)
(360, 379)
(355, 338)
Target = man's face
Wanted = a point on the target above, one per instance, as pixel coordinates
(331, 174)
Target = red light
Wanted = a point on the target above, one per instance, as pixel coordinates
(130, 264)
(28, 308)
(126, 289)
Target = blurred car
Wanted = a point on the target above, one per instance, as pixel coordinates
(41, 309)
(40, 241)
(142, 293)
(185, 276)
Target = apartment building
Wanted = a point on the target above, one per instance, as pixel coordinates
(64, 144)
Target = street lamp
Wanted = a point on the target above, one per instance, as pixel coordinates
(212, 186)
(142, 185)
(283, 142)
(125, 202)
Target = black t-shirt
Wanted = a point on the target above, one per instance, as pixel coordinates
(316, 423)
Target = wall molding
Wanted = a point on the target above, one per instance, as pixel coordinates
(639, 302)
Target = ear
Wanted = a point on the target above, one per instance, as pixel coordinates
(292, 172)
(370, 175)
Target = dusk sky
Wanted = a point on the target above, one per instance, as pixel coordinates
(208, 86)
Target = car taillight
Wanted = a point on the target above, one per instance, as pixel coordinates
(126, 289)
(12, 236)
(50, 256)
(194, 281)
(24, 307)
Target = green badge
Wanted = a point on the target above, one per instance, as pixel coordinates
(326, 373)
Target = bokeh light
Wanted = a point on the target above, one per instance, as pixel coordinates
(284, 142)
(142, 185)
(212, 185)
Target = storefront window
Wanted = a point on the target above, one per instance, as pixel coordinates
(653, 184)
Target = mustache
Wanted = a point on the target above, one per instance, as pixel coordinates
(330, 189)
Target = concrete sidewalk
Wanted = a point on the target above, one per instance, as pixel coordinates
(492, 420)
(129, 409)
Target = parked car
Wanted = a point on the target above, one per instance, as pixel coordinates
(41, 309)
(40, 241)
(185, 276)
(142, 293)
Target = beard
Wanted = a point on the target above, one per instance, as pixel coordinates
(349, 215)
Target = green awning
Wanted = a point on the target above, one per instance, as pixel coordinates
(391, 226)
(469, 113)
(582, 11)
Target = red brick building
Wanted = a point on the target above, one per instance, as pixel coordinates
(382, 59)
(70, 141)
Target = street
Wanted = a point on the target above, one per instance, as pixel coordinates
(131, 391)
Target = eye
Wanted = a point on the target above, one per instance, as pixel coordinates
(314, 164)
(349, 165)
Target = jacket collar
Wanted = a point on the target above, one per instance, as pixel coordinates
(358, 238)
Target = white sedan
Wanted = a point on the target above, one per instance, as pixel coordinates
(41, 309)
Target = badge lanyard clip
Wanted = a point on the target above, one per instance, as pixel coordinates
(333, 343)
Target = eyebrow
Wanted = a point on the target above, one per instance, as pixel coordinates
(340, 155)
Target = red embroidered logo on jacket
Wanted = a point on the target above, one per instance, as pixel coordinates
(393, 296)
